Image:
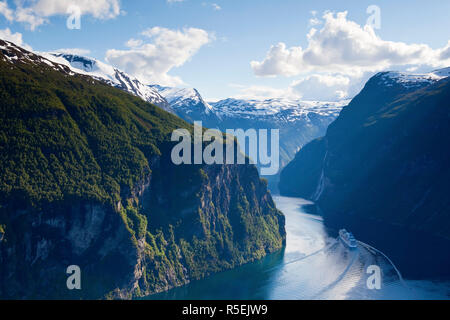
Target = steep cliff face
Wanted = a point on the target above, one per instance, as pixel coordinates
(223, 219)
(164, 236)
(382, 171)
(39, 246)
(86, 179)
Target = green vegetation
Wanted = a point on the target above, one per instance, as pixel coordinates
(68, 141)
(69, 137)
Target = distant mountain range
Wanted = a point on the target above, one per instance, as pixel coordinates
(298, 121)
(189, 105)
(382, 170)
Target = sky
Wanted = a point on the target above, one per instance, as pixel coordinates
(311, 50)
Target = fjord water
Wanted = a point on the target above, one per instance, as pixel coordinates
(314, 265)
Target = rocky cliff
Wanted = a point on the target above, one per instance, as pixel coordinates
(382, 170)
(86, 179)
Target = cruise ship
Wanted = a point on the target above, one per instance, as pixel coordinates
(347, 239)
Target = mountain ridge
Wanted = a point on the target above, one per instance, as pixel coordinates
(109, 74)
(299, 121)
(381, 171)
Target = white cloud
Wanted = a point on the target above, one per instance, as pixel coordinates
(314, 21)
(7, 12)
(445, 53)
(27, 16)
(327, 87)
(216, 7)
(16, 38)
(168, 49)
(133, 43)
(340, 57)
(280, 60)
(263, 92)
(101, 9)
(323, 87)
(75, 51)
(342, 46)
(37, 12)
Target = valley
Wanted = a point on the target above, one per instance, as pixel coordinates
(88, 177)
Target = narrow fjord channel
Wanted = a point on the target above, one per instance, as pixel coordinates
(314, 265)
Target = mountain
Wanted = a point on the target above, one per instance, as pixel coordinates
(382, 170)
(299, 121)
(109, 74)
(86, 179)
(188, 104)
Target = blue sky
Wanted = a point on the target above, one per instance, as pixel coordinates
(216, 41)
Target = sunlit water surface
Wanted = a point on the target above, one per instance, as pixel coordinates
(312, 266)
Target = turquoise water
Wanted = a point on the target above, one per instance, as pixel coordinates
(312, 266)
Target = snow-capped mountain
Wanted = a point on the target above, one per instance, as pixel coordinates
(109, 74)
(189, 105)
(283, 110)
(180, 97)
(443, 73)
(299, 121)
(411, 80)
(15, 54)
